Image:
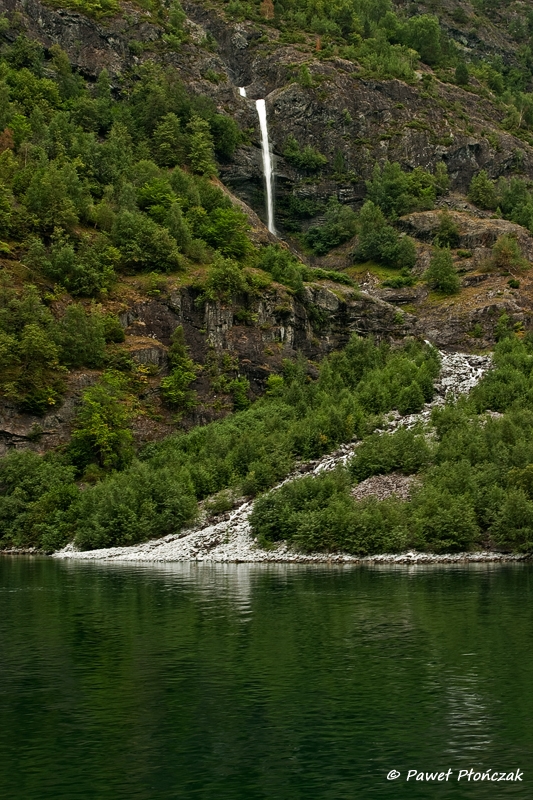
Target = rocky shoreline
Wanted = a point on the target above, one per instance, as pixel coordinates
(229, 539)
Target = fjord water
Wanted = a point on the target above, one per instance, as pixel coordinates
(243, 682)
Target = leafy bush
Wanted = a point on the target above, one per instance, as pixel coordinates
(85, 271)
(226, 229)
(339, 226)
(134, 506)
(441, 273)
(506, 254)
(404, 451)
(318, 514)
(81, 338)
(225, 279)
(283, 266)
(30, 372)
(306, 158)
(35, 496)
(397, 192)
(482, 191)
(175, 388)
(462, 76)
(143, 244)
(102, 434)
(380, 242)
(448, 231)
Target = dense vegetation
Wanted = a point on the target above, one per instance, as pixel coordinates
(249, 451)
(94, 186)
(98, 182)
(474, 478)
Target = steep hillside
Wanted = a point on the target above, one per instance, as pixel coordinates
(141, 292)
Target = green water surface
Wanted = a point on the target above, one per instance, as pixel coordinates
(241, 682)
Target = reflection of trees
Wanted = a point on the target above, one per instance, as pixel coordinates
(247, 681)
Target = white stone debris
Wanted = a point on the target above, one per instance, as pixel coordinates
(231, 539)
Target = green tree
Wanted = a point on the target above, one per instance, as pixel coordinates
(482, 191)
(397, 192)
(422, 33)
(83, 271)
(448, 231)
(169, 142)
(462, 76)
(340, 224)
(102, 433)
(283, 266)
(179, 228)
(33, 378)
(225, 279)
(35, 496)
(145, 245)
(56, 197)
(175, 388)
(226, 230)
(81, 338)
(506, 253)
(201, 147)
(226, 135)
(6, 209)
(441, 274)
(380, 242)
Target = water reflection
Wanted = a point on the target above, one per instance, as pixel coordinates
(257, 681)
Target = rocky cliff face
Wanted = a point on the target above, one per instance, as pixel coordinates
(277, 326)
(365, 121)
(348, 118)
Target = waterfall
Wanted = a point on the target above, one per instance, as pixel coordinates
(267, 164)
(242, 91)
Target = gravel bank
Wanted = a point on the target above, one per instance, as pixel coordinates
(230, 539)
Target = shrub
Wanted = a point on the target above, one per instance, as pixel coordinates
(81, 338)
(404, 451)
(101, 432)
(462, 76)
(85, 271)
(56, 197)
(513, 527)
(441, 274)
(380, 242)
(225, 279)
(339, 226)
(283, 266)
(143, 244)
(506, 254)
(307, 158)
(226, 135)
(32, 376)
(35, 494)
(443, 521)
(317, 513)
(448, 231)
(226, 230)
(411, 399)
(133, 506)
(482, 191)
(239, 388)
(397, 192)
(175, 388)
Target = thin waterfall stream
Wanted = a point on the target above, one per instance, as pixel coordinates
(267, 164)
